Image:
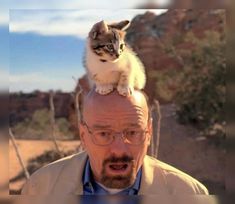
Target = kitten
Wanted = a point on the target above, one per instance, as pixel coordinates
(110, 62)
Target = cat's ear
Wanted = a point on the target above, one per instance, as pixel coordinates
(123, 25)
(98, 28)
(93, 34)
(103, 27)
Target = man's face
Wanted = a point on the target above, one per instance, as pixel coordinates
(115, 165)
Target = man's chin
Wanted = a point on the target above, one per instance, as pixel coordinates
(117, 182)
(118, 176)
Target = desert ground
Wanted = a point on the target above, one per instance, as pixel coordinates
(30, 149)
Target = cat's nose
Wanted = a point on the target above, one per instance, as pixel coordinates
(117, 55)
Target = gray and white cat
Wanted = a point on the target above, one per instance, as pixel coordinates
(110, 62)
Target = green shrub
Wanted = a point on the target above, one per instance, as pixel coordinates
(39, 127)
(166, 83)
(201, 96)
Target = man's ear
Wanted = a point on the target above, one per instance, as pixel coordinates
(82, 135)
(150, 130)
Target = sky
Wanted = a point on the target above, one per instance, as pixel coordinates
(47, 45)
(4, 57)
(4, 46)
(77, 4)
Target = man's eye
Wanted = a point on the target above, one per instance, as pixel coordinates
(103, 133)
(131, 133)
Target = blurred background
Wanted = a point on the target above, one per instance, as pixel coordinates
(183, 51)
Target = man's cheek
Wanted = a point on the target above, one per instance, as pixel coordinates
(99, 165)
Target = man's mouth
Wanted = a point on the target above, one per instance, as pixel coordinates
(118, 167)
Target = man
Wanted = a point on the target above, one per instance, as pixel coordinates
(115, 132)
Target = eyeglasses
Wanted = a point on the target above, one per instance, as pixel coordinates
(104, 137)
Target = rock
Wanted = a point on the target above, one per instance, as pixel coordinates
(23, 105)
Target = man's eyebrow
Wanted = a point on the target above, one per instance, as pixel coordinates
(100, 126)
(132, 124)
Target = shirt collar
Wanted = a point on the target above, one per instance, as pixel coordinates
(89, 183)
(87, 177)
(136, 185)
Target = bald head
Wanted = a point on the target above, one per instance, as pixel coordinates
(114, 104)
(106, 118)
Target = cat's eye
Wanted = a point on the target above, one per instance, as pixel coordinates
(110, 47)
(121, 46)
(98, 47)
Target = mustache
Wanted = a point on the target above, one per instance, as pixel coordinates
(114, 159)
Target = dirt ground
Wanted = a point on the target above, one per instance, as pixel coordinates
(30, 149)
(184, 148)
(180, 146)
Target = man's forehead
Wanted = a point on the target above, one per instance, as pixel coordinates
(96, 103)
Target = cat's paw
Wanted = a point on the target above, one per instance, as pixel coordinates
(124, 90)
(104, 89)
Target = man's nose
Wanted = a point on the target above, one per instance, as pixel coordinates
(118, 145)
